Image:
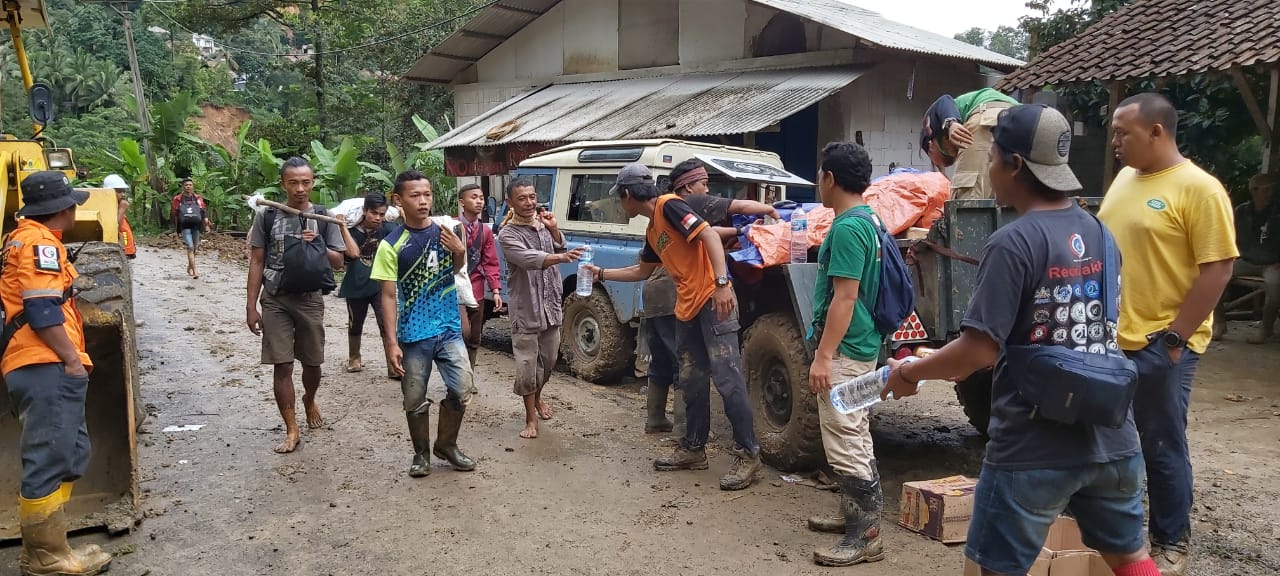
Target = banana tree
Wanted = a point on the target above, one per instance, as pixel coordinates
(338, 172)
(431, 163)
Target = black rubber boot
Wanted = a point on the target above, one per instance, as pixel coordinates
(862, 503)
(656, 407)
(420, 434)
(451, 412)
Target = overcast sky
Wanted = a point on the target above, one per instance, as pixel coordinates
(947, 17)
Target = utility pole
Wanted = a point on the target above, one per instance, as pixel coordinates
(321, 113)
(140, 99)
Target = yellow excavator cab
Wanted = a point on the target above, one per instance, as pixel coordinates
(108, 493)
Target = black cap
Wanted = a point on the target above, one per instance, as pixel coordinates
(1042, 136)
(632, 174)
(49, 192)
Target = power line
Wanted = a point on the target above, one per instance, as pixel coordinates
(226, 46)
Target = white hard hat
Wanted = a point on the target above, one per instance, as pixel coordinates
(114, 181)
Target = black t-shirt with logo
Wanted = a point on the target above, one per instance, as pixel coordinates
(1041, 282)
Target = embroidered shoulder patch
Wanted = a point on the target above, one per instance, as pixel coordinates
(47, 258)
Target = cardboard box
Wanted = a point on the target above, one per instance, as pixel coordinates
(939, 509)
(1063, 554)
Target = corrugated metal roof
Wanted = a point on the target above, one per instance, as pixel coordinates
(497, 23)
(683, 105)
(494, 25)
(880, 31)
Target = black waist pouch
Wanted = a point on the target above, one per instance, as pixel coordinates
(1073, 387)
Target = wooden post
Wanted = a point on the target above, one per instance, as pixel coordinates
(1114, 92)
(1271, 163)
(1251, 103)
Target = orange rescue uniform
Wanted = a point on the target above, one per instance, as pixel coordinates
(126, 238)
(669, 240)
(36, 266)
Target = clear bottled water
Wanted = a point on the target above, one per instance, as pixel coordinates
(586, 280)
(799, 237)
(862, 392)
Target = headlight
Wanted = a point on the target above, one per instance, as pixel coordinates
(58, 159)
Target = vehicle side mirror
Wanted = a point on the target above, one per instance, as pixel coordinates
(41, 101)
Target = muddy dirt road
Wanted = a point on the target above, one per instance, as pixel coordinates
(582, 498)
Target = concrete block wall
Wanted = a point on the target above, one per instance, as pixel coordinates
(888, 106)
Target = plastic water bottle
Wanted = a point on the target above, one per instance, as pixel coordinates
(799, 237)
(586, 280)
(862, 392)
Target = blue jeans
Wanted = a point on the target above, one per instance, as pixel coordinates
(1160, 411)
(1013, 509)
(709, 351)
(449, 353)
(191, 238)
(55, 438)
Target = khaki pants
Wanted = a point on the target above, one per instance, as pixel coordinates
(536, 356)
(971, 181)
(846, 438)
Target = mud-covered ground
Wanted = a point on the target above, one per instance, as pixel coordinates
(580, 499)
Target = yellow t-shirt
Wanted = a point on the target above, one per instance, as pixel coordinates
(1166, 225)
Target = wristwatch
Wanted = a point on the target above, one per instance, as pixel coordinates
(722, 281)
(1172, 339)
(946, 125)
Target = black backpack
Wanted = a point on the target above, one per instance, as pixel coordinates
(304, 265)
(189, 213)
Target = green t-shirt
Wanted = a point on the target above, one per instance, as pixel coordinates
(967, 103)
(851, 250)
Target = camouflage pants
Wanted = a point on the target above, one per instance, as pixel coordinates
(709, 351)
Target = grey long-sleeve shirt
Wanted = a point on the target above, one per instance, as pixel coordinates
(535, 287)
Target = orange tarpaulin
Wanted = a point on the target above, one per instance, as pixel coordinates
(901, 201)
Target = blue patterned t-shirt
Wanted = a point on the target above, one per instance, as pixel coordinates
(423, 271)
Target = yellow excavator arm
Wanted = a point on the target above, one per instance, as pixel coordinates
(24, 15)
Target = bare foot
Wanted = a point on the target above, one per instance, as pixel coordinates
(292, 439)
(314, 419)
(544, 411)
(530, 430)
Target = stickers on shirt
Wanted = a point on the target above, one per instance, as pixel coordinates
(688, 221)
(1156, 204)
(47, 258)
(1077, 313)
(1093, 310)
(1077, 245)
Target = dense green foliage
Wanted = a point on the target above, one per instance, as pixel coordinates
(370, 114)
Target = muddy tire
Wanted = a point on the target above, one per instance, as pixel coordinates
(974, 394)
(595, 345)
(107, 309)
(786, 414)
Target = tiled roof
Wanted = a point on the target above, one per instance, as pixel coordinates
(1156, 38)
